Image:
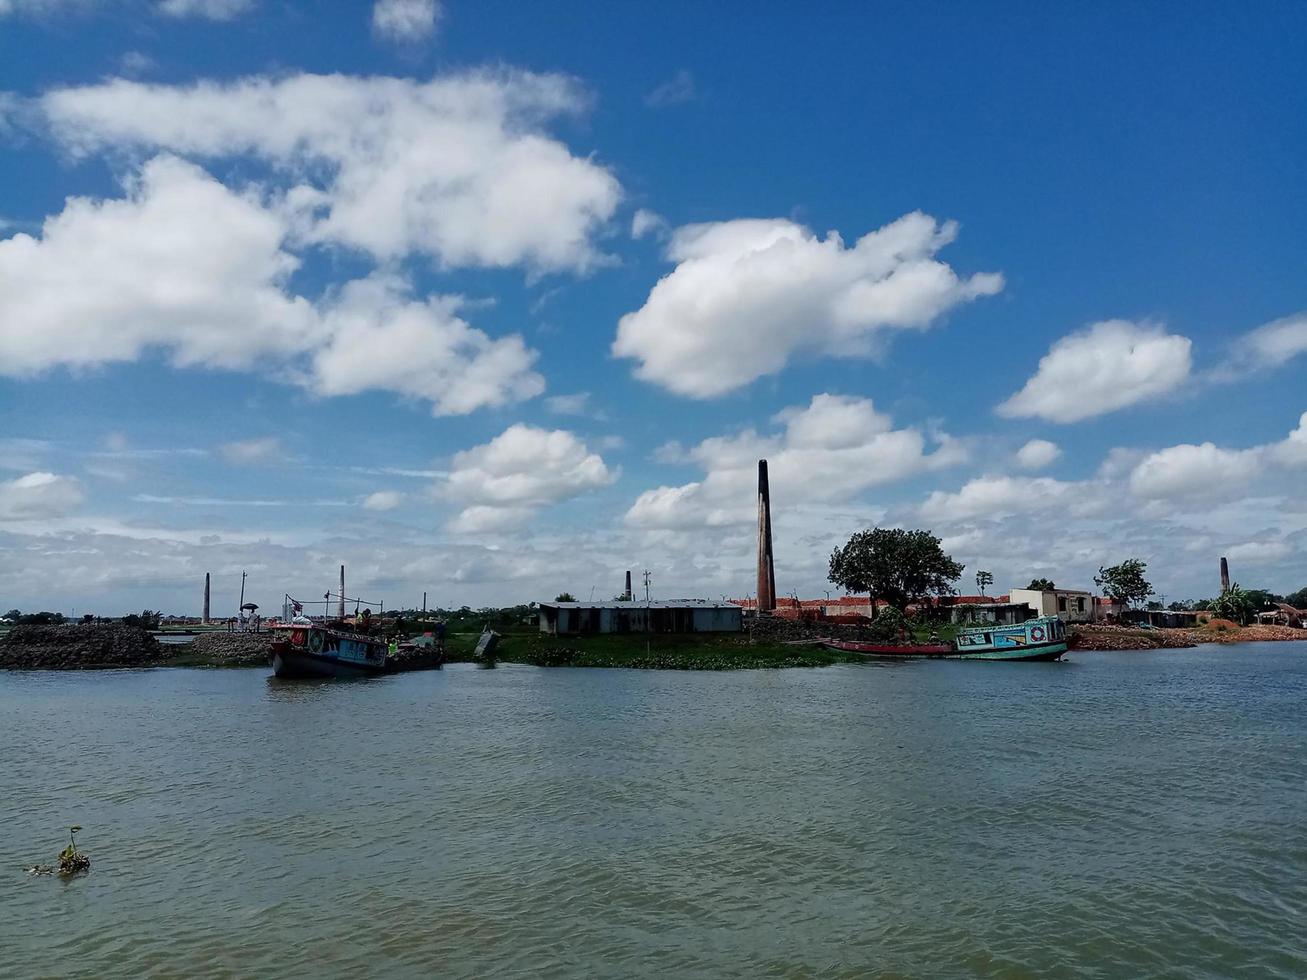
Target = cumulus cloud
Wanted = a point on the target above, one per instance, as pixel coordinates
(38, 495)
(206, 9)
(459, 168)
(1195, 471)
(405, 20)
(747, 295)
(829, 450)
(383, 500)
(1109, 366)
(997, 496)
(645, 222)
(187, 266)
(181, 263)
(504, 481)
(1037, 453)
(380, 338)
(1292, 451)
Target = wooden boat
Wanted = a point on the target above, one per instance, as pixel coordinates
(1035, 639)
(315, 650)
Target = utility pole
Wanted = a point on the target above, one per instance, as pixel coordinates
(242, 588)
(646, 585)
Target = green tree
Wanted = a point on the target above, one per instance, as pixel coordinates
(565, 597)
(1297, 599)
(983, 580)
(1234, 604)
(898, 566)
(1263, 601)
(1180, 605)
(1041, 585)
(1125, 582)
(14, 614)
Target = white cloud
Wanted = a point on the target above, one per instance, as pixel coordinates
(185, 265)
(1258, 553)
(459, 168)
(181, 263)
(206, 9)
(646, 222)
(828, 451)
(1109, 366)
(250, 452)
(1195, 471)
(1292, 451)
(405, 20)
(1037, 453)
(997, 496)
(676, 90)
(382, 339)
(36, 8)
(502, 482)
(383, 500)
(38, 495)
(747, 295)
(1269, 346)
(574, 404)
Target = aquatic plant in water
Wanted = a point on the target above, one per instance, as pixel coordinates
(71, 860)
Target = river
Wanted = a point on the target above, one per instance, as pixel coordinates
(1118, 815)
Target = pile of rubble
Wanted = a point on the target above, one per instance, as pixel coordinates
(775, 629)
(227, 649)
(88, 646)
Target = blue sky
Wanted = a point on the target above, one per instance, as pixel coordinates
(495, 300)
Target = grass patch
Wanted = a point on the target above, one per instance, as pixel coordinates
(663, 651)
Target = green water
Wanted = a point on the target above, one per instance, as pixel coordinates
(1121, 815)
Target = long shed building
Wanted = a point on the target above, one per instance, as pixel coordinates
(672, 616)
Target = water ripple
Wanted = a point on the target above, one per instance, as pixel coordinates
(1123, 815)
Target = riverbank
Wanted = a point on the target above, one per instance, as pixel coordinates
(113, 646)
(1218, 631)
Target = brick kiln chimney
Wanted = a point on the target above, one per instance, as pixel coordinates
(206, 597)
(766, 566)
(1225, 576)
(628, 585)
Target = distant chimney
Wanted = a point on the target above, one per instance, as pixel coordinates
(628, 596)
(766, 566)
(340, 612)
(1225, 575)
(206, 597)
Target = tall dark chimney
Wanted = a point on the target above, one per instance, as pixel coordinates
(1225, 575)
(206, 597)
(766, 567)
(628, 585)
(340, 612)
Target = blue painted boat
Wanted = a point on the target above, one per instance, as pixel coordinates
(1035, 639)
(313, 650)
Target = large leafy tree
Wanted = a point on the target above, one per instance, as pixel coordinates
(1041, 585)
(983, 580)
(1297, 599)
(898, 566)
(1125, 582)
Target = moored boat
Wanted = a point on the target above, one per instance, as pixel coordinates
(314, 650)
(1035, 639)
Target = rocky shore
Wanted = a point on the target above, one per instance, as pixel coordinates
(224, 650)
(1217, 631)
(95, 646)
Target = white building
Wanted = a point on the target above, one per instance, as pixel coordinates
(1068, 605)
